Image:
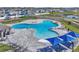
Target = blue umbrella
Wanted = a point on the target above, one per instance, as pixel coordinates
(67, 38)
(54, 41)
(77, 35)
(73, 34)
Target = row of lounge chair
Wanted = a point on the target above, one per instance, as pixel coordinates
(61, 45)
(56, 48)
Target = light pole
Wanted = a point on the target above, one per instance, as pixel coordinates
(72, 46)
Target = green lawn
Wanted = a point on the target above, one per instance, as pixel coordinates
(4, 47)
(65, 13)
(12, 21)
(71, 27)
(77, 49)
(28, 17)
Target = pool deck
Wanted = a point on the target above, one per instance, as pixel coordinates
(60, 31)
(25, 38)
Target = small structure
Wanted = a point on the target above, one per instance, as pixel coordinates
(75, 23)
(72, 16)
(4, 30)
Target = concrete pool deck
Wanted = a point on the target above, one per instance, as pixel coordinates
(25, 38)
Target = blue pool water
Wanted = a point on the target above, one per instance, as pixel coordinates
(42, 29)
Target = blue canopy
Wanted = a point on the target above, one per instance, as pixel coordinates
(58, 48)
(46, 49)
(73, 34)
(77, 35)
(54, 41)
(67, 38)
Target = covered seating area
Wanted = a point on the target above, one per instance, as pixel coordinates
(61, 43)
(4, 31)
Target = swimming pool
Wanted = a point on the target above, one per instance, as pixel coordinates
(42, 30)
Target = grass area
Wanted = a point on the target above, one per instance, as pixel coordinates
(65, 13)
(4, 47)
(28, 17)
(77, 49)
(12, 21)
(69, 26)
